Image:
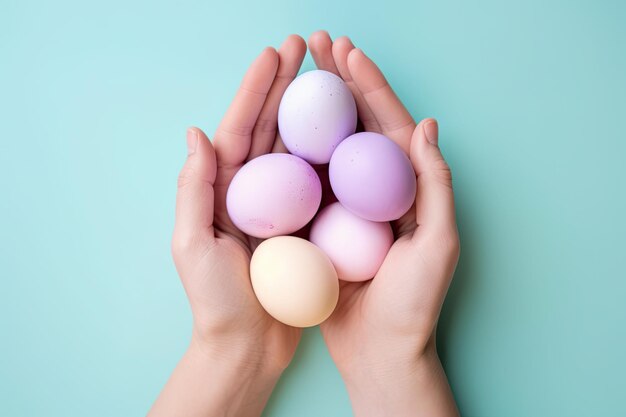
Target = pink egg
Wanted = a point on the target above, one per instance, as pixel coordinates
(372, 177)
(356, 247)
(273, 194)
(317, 112)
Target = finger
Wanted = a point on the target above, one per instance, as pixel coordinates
(434, 203)
(394, 119)
(279, 145)
(321, 47)
(195, 197)
(341, 48)
(290, 56)
(233, 136)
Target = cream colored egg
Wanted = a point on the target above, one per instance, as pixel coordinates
(294, 281)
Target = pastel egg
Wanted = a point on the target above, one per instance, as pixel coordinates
(273, 194)
(372, 177)
(294, 281)
(316, 113)
(356, 247)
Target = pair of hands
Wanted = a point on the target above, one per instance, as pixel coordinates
(382, 333)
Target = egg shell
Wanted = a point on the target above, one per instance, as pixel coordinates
(372, 177)
(273, 194)
(316, 112)
(356, 247)
(294, 281)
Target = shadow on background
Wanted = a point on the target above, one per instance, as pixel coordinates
(462, 289)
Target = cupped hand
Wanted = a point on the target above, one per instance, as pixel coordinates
(211, 255)
(383, 330)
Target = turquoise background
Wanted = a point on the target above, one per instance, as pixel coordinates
(95, 98)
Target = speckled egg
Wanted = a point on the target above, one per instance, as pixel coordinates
(273, 194)
(316, 113)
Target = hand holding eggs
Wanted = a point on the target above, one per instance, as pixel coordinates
(295, 280)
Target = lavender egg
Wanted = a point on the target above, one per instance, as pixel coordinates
(372, 177)
(273, 194)
(316, 113)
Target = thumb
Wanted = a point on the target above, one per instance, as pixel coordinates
(434, 202)
(195, 196)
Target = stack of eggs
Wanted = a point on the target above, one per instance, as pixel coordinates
(274, 195)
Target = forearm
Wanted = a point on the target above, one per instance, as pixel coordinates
(417, 389)
(208, 382)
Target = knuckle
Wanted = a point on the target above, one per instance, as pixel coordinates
(445, 242)
(398, 124)
(185, 243)
(181, 246)
(186, 176)
(266, 125)
(451, 244)
(441, 172)
(237, 131)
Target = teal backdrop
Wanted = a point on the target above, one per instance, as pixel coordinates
(95, 98)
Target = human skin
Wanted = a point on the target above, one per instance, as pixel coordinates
(237, 350)
(382, 334)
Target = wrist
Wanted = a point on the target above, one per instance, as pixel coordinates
(229, 381)
(415, 386)
(218, 376)
(259, 352)
(242, 356)
(381, 371)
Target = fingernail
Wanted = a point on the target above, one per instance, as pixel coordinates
(192, 141)
(349, 41)
(431, 131)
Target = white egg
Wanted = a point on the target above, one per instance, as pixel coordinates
(316, 113)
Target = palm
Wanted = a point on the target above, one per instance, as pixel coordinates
(212, 255)
(372, 309)
(232, 255)
(402, 302)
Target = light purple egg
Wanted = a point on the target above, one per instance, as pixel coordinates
(273, 194)
(372, 177)
(316, 113)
